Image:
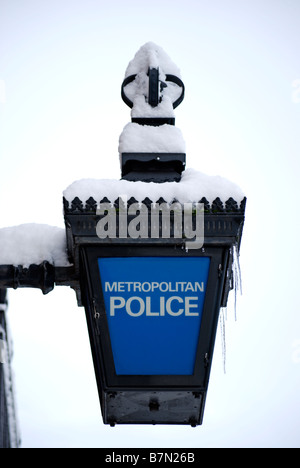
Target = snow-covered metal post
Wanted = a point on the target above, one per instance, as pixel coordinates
(9, 433)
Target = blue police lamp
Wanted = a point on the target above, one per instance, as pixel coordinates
(152, 299)
(151, 258)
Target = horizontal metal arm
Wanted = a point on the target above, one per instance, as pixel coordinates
(43, 276)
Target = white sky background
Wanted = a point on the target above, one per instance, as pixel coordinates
(61, 68)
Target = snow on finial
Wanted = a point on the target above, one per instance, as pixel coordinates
(152, 89)
(153, 56)
(152, 86)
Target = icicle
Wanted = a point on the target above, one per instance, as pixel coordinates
(223, 313)
(237, 285)
(237, 278)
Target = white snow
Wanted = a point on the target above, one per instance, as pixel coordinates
(141, 107)
(153, 56)
(146, 139)
(193, 186)
(33, 244)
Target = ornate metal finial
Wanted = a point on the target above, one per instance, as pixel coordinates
(152, 87)
(151, 147)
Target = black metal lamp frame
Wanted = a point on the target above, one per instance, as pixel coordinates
(155, 399)
(191, 388)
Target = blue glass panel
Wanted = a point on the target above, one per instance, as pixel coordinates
(154, 309)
